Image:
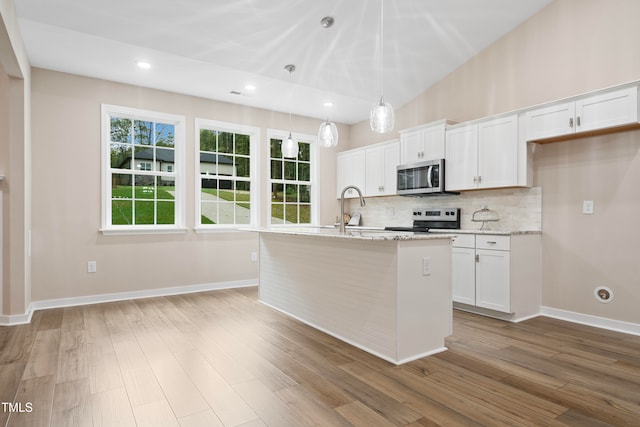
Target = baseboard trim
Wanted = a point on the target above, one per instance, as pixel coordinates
(589, 320)
(19, 319)
(16, 319)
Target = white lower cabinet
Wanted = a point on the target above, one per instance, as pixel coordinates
(464, 275)
(493, 279)
(500, 273)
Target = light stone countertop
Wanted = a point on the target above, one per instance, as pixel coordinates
(460, 231)
(494, 232)
(360, 233)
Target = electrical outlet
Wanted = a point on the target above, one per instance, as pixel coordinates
(426, 266)
(254, 256)
(92, 267)
(587, 207)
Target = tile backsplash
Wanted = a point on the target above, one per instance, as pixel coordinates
(520, 209)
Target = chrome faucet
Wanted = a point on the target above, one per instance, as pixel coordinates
(362, 203)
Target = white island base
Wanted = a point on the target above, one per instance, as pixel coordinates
(389, 296)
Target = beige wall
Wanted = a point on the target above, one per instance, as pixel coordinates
(581, 252)
(570, 47)
(67, 200)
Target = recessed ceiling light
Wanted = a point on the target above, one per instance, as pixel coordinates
(144, 65)
(250, 87)
(328, 104)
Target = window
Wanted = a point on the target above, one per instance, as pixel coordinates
(143, 188)
(227, 194)
(292, 181)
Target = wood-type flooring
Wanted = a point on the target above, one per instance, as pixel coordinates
(221, 358)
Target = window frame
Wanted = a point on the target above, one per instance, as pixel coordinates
(254, 182)
(178, 121)
(314, 182)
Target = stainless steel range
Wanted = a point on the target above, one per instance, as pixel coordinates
(427, 218)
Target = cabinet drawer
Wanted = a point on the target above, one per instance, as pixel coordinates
(490, 241)
(464, 241)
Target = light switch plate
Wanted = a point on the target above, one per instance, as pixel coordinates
(587, 207)
(426, 266)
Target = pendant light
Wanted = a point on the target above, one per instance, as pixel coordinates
(382, 117)
(289, 146)
(328, 132)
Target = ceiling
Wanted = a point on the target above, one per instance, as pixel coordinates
(211, 48)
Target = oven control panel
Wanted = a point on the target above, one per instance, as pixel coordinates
(440, 214)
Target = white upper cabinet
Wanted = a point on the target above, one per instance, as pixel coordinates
(372, 169)
(603, 110)
(381, 163)
(351, 171)
(461, 159)
(498, 152)
(425, 142)
(483, 155)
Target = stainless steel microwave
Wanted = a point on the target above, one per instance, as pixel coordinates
(422, 179)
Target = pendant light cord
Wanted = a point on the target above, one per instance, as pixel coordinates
(381, 49)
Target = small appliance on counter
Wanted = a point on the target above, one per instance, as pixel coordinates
(427, 218)
(485, 215)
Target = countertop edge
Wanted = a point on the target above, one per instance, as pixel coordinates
(361, 233)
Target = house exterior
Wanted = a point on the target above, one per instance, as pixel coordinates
(162, 159)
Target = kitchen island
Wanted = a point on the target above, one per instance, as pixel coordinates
(388, 293)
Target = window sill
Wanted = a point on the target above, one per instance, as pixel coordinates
(133, 231)
(221, 229)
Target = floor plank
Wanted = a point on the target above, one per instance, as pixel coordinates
(221, 358)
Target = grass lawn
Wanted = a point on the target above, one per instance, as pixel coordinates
(122, 206)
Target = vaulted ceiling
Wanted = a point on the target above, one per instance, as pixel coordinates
(214, 48)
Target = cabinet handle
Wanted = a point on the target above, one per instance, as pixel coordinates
(578, 121)
(477, 258)
(490, 242)
(571, 122)
(475, 179)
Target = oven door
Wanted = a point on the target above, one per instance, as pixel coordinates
(421, 178)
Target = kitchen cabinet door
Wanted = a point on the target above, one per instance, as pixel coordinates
(412, 147)
(381, 164)
(493, 280)
(426, 142)
(551, 121)
(498, 152)
(588, 113)
(615, 108)
(461, 160)
(463, 275)
(350, 171)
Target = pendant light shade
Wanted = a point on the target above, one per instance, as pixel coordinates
(290, 146)
(328, 135)
(382, 117)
